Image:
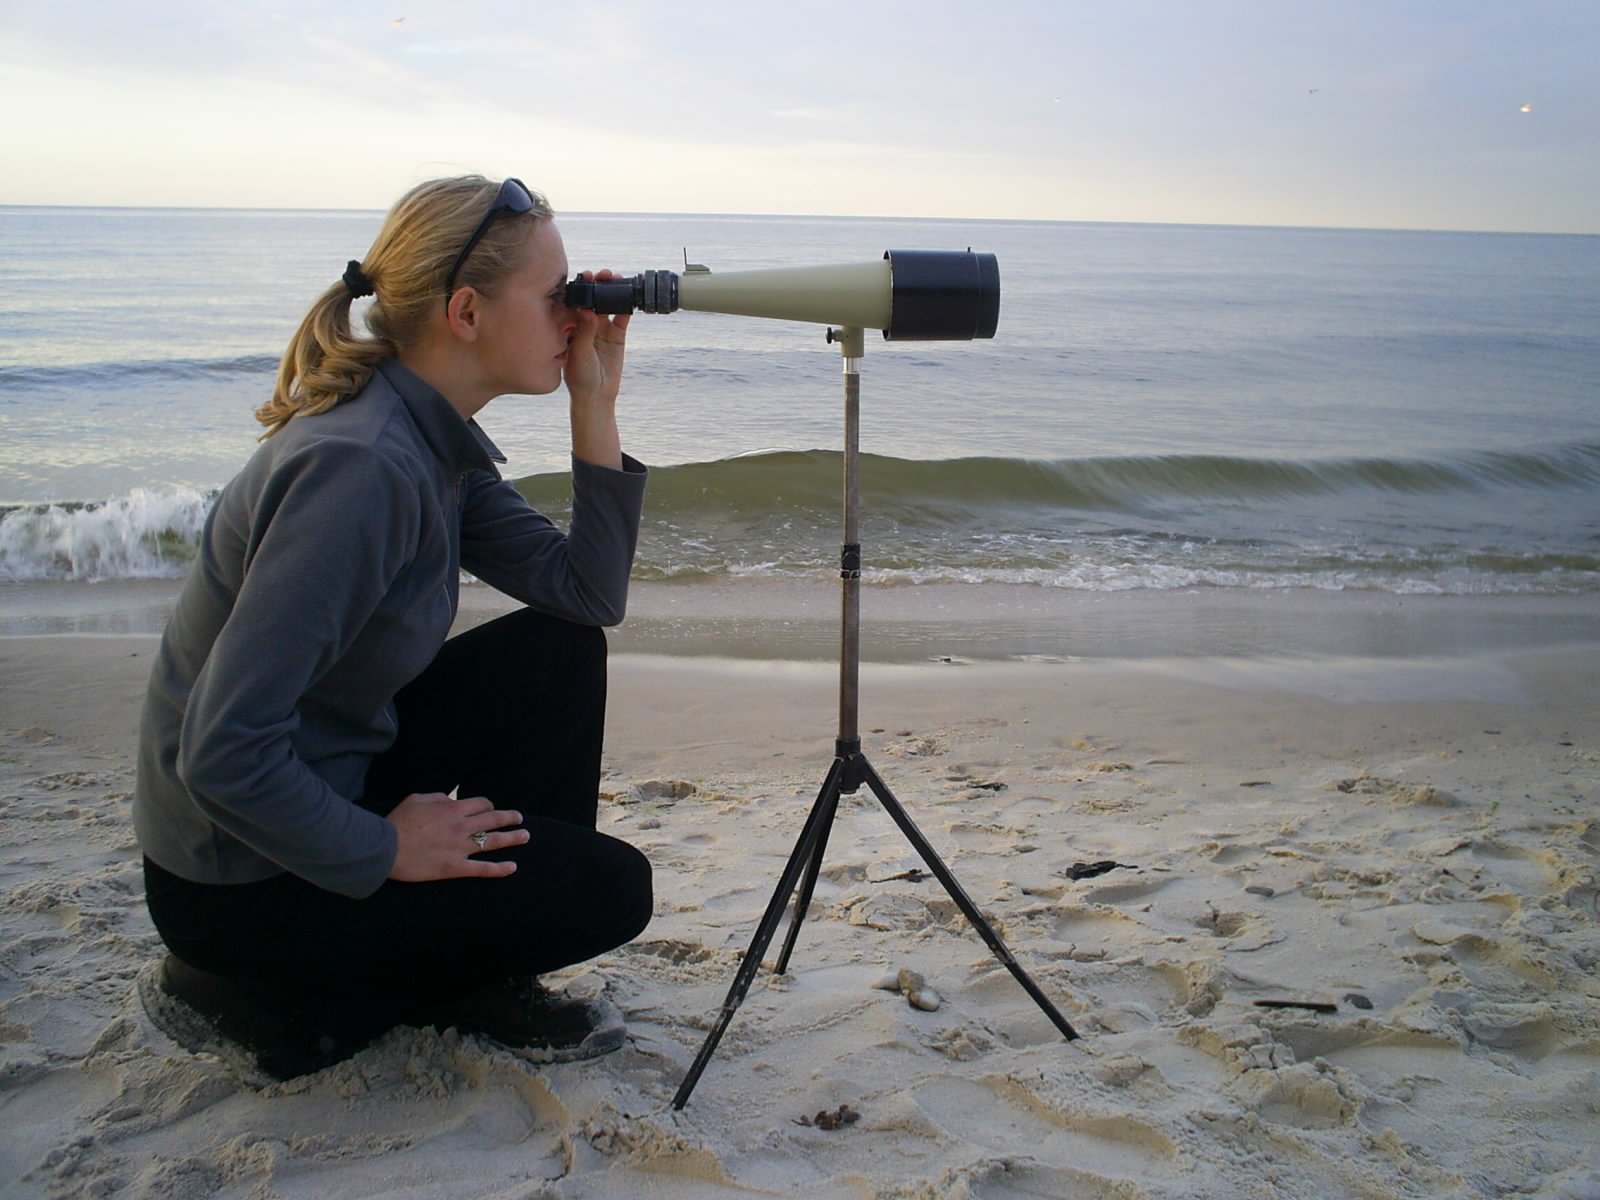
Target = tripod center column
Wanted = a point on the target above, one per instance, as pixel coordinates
(852, 345)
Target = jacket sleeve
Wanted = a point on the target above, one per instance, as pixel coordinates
(333, 528)
(582, 574)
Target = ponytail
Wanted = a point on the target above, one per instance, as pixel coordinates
(324, 364)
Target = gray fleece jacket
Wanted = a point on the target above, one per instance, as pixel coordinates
(327, 579)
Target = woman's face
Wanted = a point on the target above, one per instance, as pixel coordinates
(527, 325)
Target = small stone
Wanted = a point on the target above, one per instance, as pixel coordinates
(1261, 889)
(1357, 1000)
(924, 998)
(913, 986)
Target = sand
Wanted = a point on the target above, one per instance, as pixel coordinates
(1410, 840)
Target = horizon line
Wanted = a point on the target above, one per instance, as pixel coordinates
(234, 208)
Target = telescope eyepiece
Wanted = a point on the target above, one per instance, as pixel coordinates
(649, 291)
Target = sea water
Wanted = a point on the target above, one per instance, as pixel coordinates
(1163, 407)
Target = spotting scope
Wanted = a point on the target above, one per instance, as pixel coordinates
(912, 295)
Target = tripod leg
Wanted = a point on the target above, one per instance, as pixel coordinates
(963, 901)
(800, 856)
(830, 800)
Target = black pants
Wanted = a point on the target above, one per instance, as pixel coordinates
(513, 710)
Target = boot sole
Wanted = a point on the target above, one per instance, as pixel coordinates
(191, 1031)
(600, 1042)
(607, 1033)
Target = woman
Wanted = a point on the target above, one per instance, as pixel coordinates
(307, 723)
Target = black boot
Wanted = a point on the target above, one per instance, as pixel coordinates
(265, 1034)
(521, 1013)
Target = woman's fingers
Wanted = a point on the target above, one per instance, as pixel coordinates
(477, 868)
(438, 837)
(488, 828)
(496, 841)
(479, 813)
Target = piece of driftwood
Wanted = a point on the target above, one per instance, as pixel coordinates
(1316, 1006)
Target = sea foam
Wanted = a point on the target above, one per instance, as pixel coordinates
(145, 534)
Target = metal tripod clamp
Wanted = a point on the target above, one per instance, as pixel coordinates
(851, 340)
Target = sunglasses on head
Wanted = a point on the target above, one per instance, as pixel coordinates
(514, 198)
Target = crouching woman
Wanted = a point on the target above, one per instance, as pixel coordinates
(349, 822)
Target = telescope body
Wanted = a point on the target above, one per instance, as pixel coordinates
(911, 295)
(847, 294)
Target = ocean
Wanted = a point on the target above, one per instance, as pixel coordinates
(1163, 408)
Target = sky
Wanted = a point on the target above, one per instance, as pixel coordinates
(1432, 114)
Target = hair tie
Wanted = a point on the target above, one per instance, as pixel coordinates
(356, 281)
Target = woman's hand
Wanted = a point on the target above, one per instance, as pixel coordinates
(594, 376)
(435, 838)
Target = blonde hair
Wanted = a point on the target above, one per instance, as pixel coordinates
(326, 362)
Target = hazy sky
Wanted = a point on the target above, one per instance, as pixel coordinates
(1391, 114)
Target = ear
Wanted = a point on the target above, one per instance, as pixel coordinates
(461, 314)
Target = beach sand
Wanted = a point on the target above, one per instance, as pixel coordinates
(1411, 840)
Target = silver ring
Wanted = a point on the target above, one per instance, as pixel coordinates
(479, 838)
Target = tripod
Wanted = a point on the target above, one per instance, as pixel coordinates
(850, 769)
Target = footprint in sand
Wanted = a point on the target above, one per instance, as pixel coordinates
(673, 960)
(1243, 931)
(1498, 965)
(1224, 854)
(1169, 986)
(1019, 1121)
(1529, 1031)
(1124, 893)
(1390, 1060)
(1305, 1096)
(1530, 873)
(1095, 925)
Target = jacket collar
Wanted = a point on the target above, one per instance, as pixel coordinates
(461, 445)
